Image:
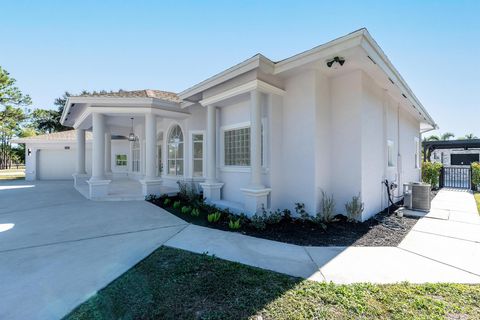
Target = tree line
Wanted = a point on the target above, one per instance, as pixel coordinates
(17, 119)
(450, 136)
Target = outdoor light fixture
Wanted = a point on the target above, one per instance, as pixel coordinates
(338, 60)
(131, 136)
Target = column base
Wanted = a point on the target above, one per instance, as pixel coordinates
(98, 188)
(79, 177)
(255, 199)
(211, 191)
(151, 186)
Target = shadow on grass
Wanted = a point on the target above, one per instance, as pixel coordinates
(175, 284)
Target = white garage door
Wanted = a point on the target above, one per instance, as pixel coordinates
(56, 164)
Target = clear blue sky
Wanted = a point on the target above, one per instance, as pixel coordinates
(53, 46)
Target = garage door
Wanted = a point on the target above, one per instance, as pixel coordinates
(56, 164)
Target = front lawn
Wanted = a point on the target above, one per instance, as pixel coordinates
(12, 174)
(175, 284)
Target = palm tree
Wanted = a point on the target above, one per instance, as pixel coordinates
(447, 136)
(433, 138)
(470, 136)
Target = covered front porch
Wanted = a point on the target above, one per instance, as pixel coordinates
(127, 148)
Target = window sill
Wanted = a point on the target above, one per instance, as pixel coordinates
(241, 169)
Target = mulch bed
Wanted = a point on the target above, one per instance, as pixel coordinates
(384, 229)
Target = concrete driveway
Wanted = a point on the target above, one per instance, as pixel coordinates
(57, 248)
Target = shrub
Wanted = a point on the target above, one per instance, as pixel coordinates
(476, 174)
(151, 197)
(354, 208)
(177, 204)
(188, 192)
(234, 224)
(300, 210)
(431, 173)
(258, 221)
(166, 202)
(195, 212)
(328, 207)
(214, 217)
(186, 209)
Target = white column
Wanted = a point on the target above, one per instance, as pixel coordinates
(98, 185)
(108, 152)
(211, 187)
(81, 152)
(256, 140)
(98, 147)
(150, 146)
(211, 144)
(256, 195)
(151, 184)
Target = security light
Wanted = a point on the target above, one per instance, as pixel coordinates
(338, 60)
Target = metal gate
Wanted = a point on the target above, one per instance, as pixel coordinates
(456, 177)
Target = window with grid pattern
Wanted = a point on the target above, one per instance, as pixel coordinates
(237, 147)
(136, 156)
(175, 151)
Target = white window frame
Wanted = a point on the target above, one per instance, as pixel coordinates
(416, 143)
(204, 162)
(167, 154)
(390, 154)
(116, 160)
(241, 125)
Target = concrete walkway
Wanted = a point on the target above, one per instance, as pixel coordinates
(57, 248)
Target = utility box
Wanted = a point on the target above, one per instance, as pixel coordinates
(417, 196)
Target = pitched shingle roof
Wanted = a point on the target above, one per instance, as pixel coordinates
(69, 135)
(158, 94)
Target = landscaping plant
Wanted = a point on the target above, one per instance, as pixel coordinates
(166, 202)
(177, 204)
(258, 221)
(186, 209)
(431, 173)
(195, 212)
(355, 208)
(300, 210)
(214, 217)
(328, 207)
(476, 175)
(234, 224)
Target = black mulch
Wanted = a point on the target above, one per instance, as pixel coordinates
(384, 229)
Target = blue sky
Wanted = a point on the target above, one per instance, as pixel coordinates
(53, 46)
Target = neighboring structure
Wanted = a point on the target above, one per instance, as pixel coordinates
(337, 118)
(453, 152)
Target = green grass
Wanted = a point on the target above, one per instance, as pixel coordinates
(477, 199)
(175, 284)
(13, 174)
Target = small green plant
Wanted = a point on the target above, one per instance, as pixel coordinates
(258, 221)
(431, 173)
(234, 224)
(355, 208)
(186, 209)
(328, 207)
(167, 202)
(151, 197)
(195, 212)
(214, 217)
(177, 204)
(300, 210)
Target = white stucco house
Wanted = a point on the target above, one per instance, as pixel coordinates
(338, 118)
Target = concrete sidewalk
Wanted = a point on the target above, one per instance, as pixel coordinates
(435, 250)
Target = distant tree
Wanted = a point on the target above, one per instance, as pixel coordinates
(470, 136)
(12, 116)
(433, 138)
(447, 136)
(48, 120)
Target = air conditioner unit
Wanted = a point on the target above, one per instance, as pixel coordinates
(417, 196)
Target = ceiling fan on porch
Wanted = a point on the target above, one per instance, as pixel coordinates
(131, 136)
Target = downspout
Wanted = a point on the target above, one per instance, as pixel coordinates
(399, 155)
(385, 147)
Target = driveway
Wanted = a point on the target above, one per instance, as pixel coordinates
(57, 248)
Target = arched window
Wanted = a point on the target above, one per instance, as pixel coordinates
(175, 151)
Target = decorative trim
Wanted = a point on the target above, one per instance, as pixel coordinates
(244, 88)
